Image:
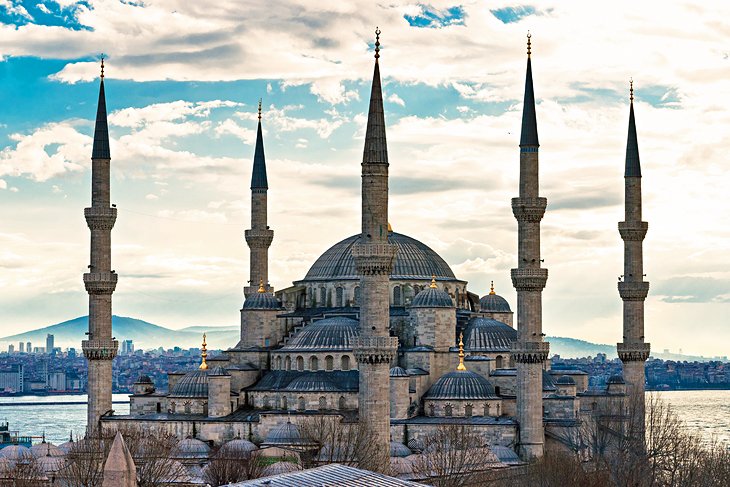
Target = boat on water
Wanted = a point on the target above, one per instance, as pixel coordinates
(9, 437)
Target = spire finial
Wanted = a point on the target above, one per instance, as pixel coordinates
(461, 365)
(529, 44)
(262, 289)
(260, 109)
(204, 356)
(102, 66)
(491, 290)
(631, 89)
(377, 44)
(433, 282)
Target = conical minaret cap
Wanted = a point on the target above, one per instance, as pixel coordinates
(376, 147)
(258, 176)
(528, 136)
(101, 131)
(633, 166)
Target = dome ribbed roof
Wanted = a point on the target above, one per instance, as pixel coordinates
(287, 434)
(432, 298)
(488, 335)
(261, 301)
(398, 372)
(398, 449)
(15, 452)
(279, 468)
(461, 384)
(312, 382)
(46, 450)
(494, 303)
(217, 371)
(565, 381)
(334, 333)
(192, 384)
(190, 448)
(238, 445)
(414, 260)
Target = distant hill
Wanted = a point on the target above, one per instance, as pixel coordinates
(145, 335)
(574, 348)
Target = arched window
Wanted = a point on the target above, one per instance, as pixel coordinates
(313, 363)
(497, 390)
(278, 363)
(329, 362)
(173, 406)
(499, 362)
(322, 402)
(432, 409)
(343, 402)
(511, 362)
(468, 410)
(339, 296)
(323, 296)
(302, 404)
(284, 403)
(187, 407)
(456, 292)
(486, 409)
(287, 363)
(356, 296)
(300, 363)
(448, 410)
(396, 296)
(345, 362)
(267, 404)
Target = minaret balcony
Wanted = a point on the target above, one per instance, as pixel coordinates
(259, 238)
(530, 352)
(529, 209)
(100, 218)
(633, 352)
(633, 231)
(529, 279)
(375, 349)
(633, 290)
(103, 349)
(100, 282)
(374, 258)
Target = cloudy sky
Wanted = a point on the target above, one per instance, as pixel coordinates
(183, 80)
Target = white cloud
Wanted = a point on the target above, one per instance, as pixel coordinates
(394, 98)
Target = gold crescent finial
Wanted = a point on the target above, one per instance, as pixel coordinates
(259, 109)
(377, 44)
(461, 365)
(529, 44)
(631, 89)
(433, 282)
(204, 356)
(491, 291)
(262, 289)
(102, 66)
(390, 228)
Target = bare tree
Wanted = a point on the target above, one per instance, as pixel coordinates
(84, 463)
(151, 452)
(230, 465)
(24, 472)
(335, 441)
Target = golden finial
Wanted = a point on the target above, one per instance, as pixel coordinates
(529, 44)
(491, 289)
(390, 228)
(461, 365)
(631, 89)
(259, 109)
(204, 356)
(433, 282)
(102, 66)
(262, 289)
(377, 44)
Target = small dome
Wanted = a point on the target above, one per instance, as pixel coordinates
(50, 464)
(191, 449)
(312, 382)
(217, 371)
(616, 379)
(488, 335)
(278, 468)
(565, 381)
(15, 452)
(398, 372)
(494, 303)
(432, 298)
(334, 333)
(143, 379)
(286, 434)
(46, 449)
(192, 384)
(398, 449)
(66, 447)
(461, 384)
(548, 384)
(237, 446)
(261, 301)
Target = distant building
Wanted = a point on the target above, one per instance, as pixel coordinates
(127, 347)
(21, 347)
(49, 344)
(28, 347)
(71, 353)
(12, 380)
(11, 349)
(57, 381)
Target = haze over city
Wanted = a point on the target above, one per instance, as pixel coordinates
(182, 85)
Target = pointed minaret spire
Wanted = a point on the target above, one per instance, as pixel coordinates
(258, 177)
(529, 119)
(633, 166)
(101, 131)
(376, 147)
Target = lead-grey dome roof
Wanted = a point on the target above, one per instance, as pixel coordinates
(287, 434)
(494, 303)
(488, 335)
(190, 448)
(192, 384)
(334, 333)
(414, 260)
(261, 301)
(461, 384)
(432, 298)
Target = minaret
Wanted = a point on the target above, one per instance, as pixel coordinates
(374, 349)
(633, 351)
(101, 280)
(259, 237)
(529, 351)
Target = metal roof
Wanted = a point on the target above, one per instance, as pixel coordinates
(494, 303)
(461, 384)
(488, 335)
(294, 381)
(633, 165)
(334, 333)
(432, 298)
(333, 475)
(528, 136)
(258, 175)
(100, 149)
(261, 301)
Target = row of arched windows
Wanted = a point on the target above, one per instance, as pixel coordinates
(313, 363)
(468, 410)
(282, 402)
(401, 296)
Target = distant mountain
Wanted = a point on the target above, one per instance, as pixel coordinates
(574, 348)
(145, 335)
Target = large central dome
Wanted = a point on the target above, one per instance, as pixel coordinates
(414, 260)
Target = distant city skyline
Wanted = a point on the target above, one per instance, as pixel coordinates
(182, 84)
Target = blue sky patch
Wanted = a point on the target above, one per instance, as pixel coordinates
(46, 12)
(509, 15)
(431, 17)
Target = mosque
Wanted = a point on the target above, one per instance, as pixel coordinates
(379, 330)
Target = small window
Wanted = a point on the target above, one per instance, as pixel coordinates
(432, 410)
(343, 402)
(448, 410)
(300, 363)
(287, 363)
(313, 363)
(356, 297)
(173, 406)
(323, 296)
(278, 363)
(159, 407)
(187, 407)
(396, 296)
(345, 362)
(302, 404)
(284, 403)
(339, 295)
(499, 362)
(329, 362)
(486, 409)
(468, 410)
(322, 402)
(267, 403)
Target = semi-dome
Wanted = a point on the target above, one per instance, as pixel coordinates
(432, 297)
(413, 260)
(261, 301)
(494, 303)
(192, 384)
(286, 434)
(191, 449)
(461, 384)
(398, 372)
(312, 382)
(488, 335)
(334, 333)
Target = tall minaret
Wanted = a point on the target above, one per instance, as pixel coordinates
(101, 280)
(259, 237)
(374, 349)
(529, 351)
(633, 351)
